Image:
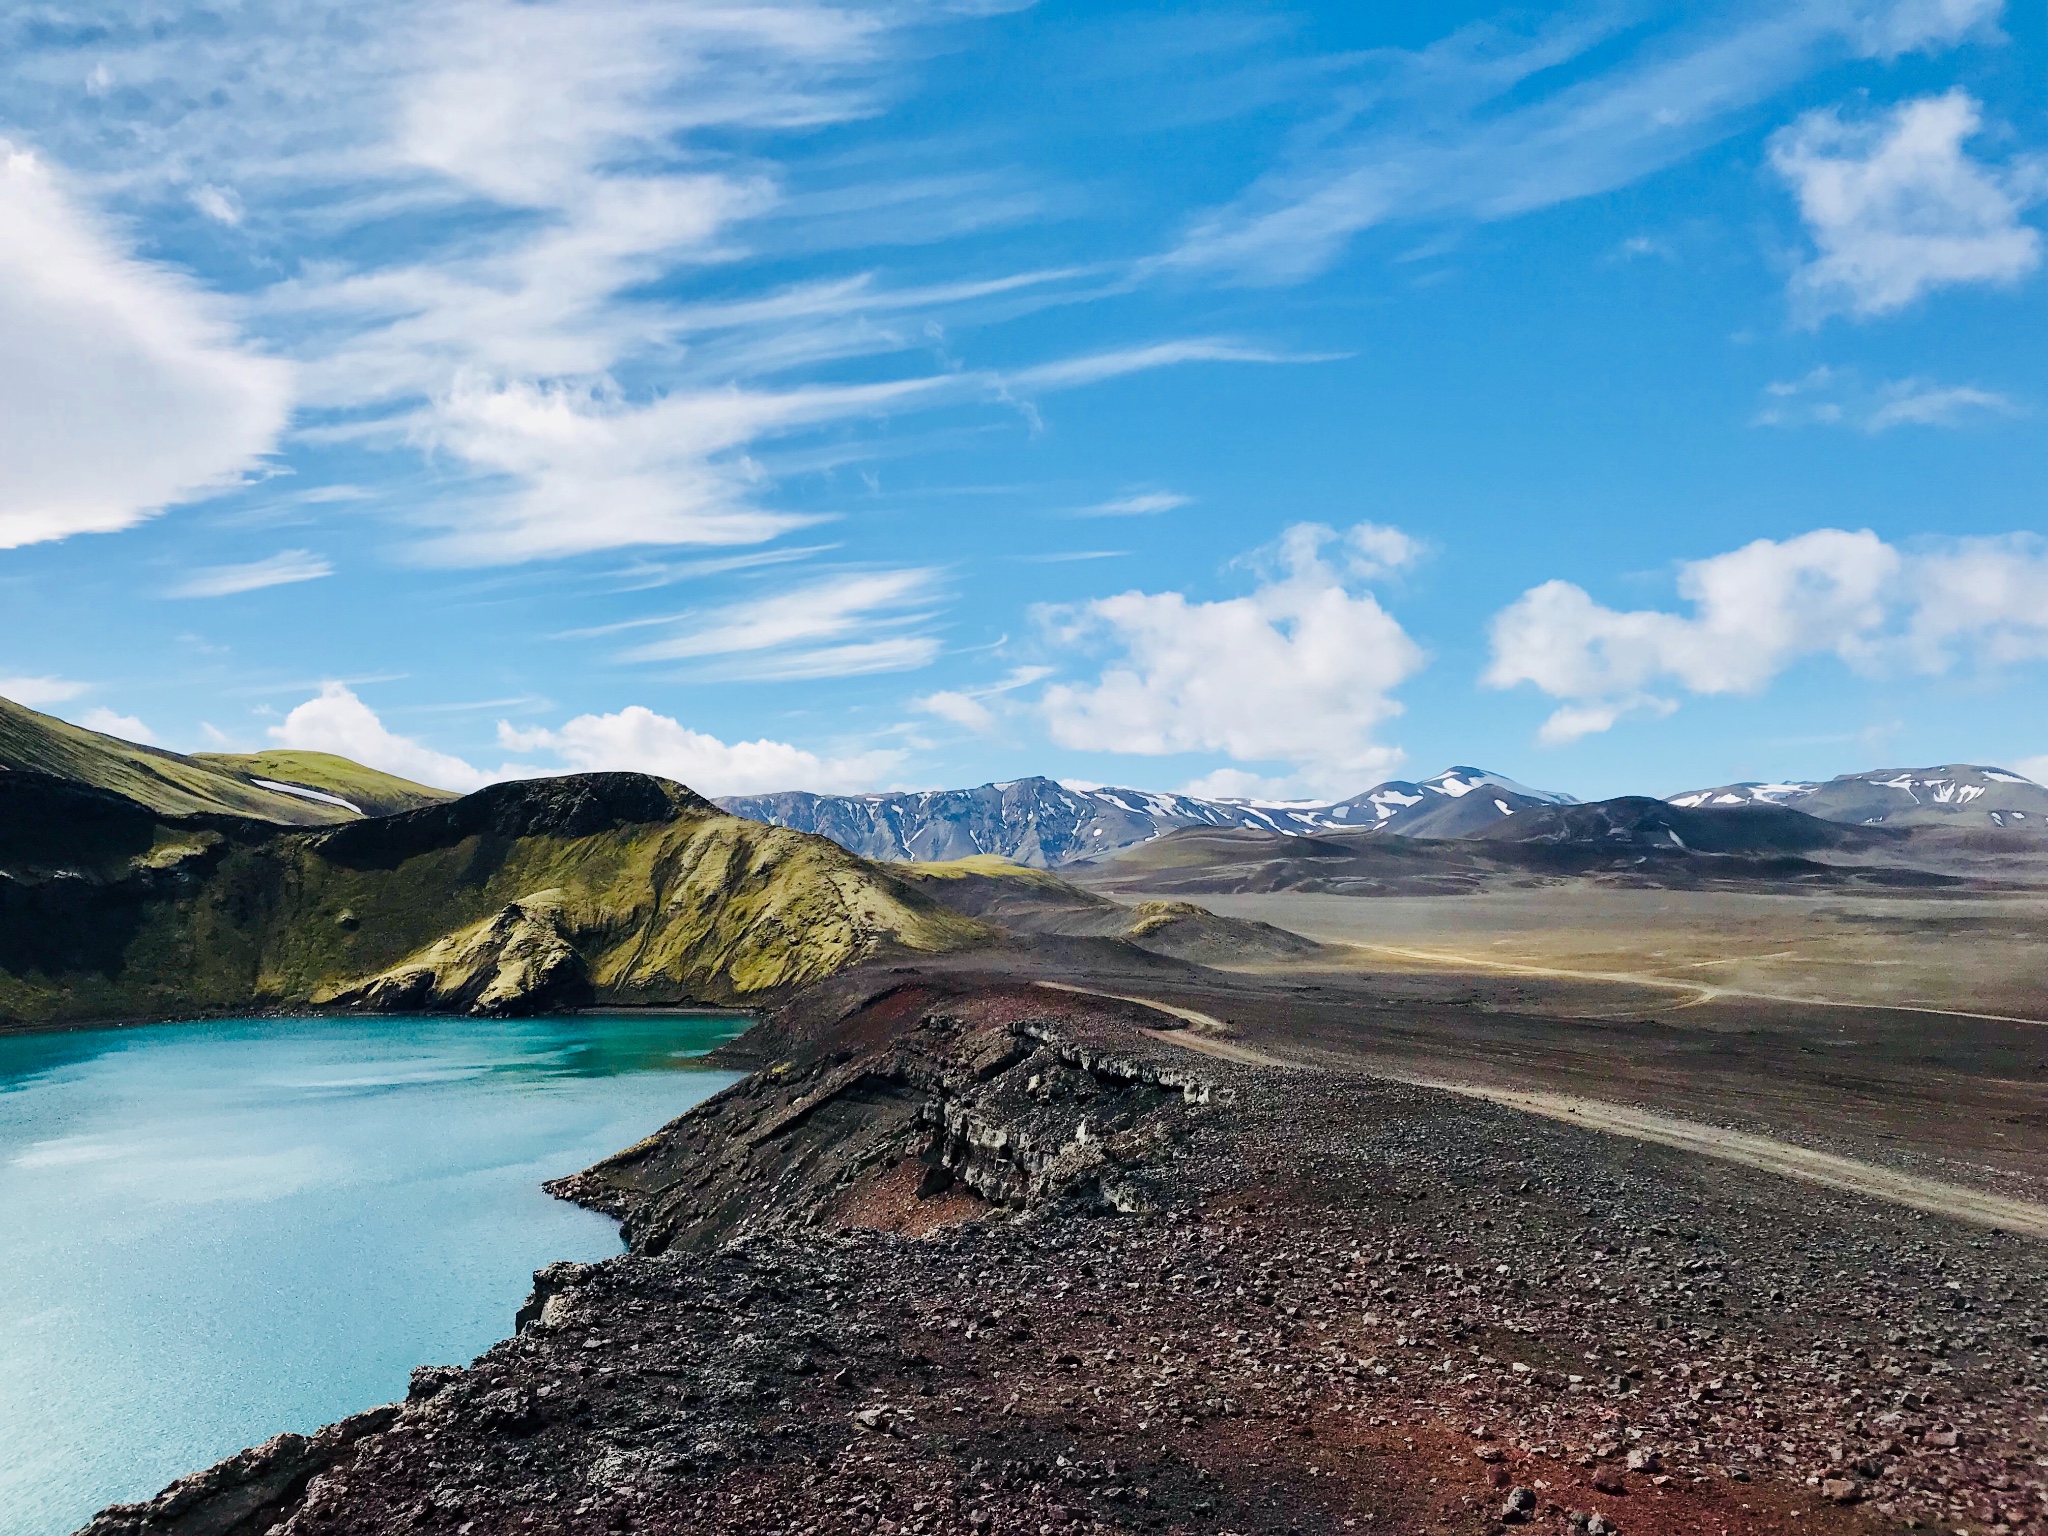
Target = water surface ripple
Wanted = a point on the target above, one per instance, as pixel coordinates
(213, 1232)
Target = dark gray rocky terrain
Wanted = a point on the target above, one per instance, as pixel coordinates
(969, 1254)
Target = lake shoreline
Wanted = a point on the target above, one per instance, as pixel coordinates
(978, 1254)
(13, 1028)
(217, 1229)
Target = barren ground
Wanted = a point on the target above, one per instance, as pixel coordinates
(973, 1255)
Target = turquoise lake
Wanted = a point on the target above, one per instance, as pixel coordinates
(213, 1232)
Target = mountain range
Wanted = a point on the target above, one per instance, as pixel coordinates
(1048, 825)
(137, 883)
(1958, 795)
(1044, 823)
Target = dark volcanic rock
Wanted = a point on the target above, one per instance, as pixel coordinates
(572, 805)
(1006, 1259)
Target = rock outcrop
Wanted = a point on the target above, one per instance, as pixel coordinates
(520, 961)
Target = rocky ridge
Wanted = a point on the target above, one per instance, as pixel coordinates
(1958, 795)
(986, 1257)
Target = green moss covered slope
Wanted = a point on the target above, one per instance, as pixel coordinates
(175, 785)
(369, 791)
(592, 888)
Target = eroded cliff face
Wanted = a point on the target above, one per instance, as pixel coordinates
(994, 1113)
(586, 888)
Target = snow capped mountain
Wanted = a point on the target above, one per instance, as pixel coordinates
(1044, 823)
(1959, 794)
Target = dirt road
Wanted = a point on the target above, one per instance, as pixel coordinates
(1211, 1036)
(1701, 991)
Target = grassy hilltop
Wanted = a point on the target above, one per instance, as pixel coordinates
(588, 888)
(210, 784)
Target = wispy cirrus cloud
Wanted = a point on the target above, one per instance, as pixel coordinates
(284, 568)
(1841, 397)
(491, 216)
(838, 626)
(1137, 504)
(1471, 128)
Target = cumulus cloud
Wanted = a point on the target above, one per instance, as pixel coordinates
(126, 388)
(35, 692)
(1300, 672)
(634, 740)
(1374, 549)
(339, 722)
(2035, 768)
(1897, 208)
(639, 740)
(840, 626)
(127, 727)
(1980, 601)
(282, 569)
(1760, 609)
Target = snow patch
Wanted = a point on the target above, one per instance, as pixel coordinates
(304, 793)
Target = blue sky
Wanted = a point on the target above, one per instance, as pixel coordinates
(1268, 400)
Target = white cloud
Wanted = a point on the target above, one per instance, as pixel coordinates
(281, 569)
(2035, 768)
(1300, 672)
(1374, 549)
(961, 709)
(1762, 608)
(1472, 128)
(127, 727)
(1636, 247)
(35, 692)
(1839, 397)
(1896, 208)
(969, 708)
(125, 389)
(339, 722)
(218, 204)
(494, 213)
(1981, 600)
(634, 740)
(839, 626)
(1095, 367)
(1143, 504)
(638, 740)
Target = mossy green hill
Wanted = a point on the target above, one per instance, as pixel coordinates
(260, 785)
(591, 888)
(371, 792)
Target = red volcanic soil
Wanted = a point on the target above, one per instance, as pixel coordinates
(974, 1256)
